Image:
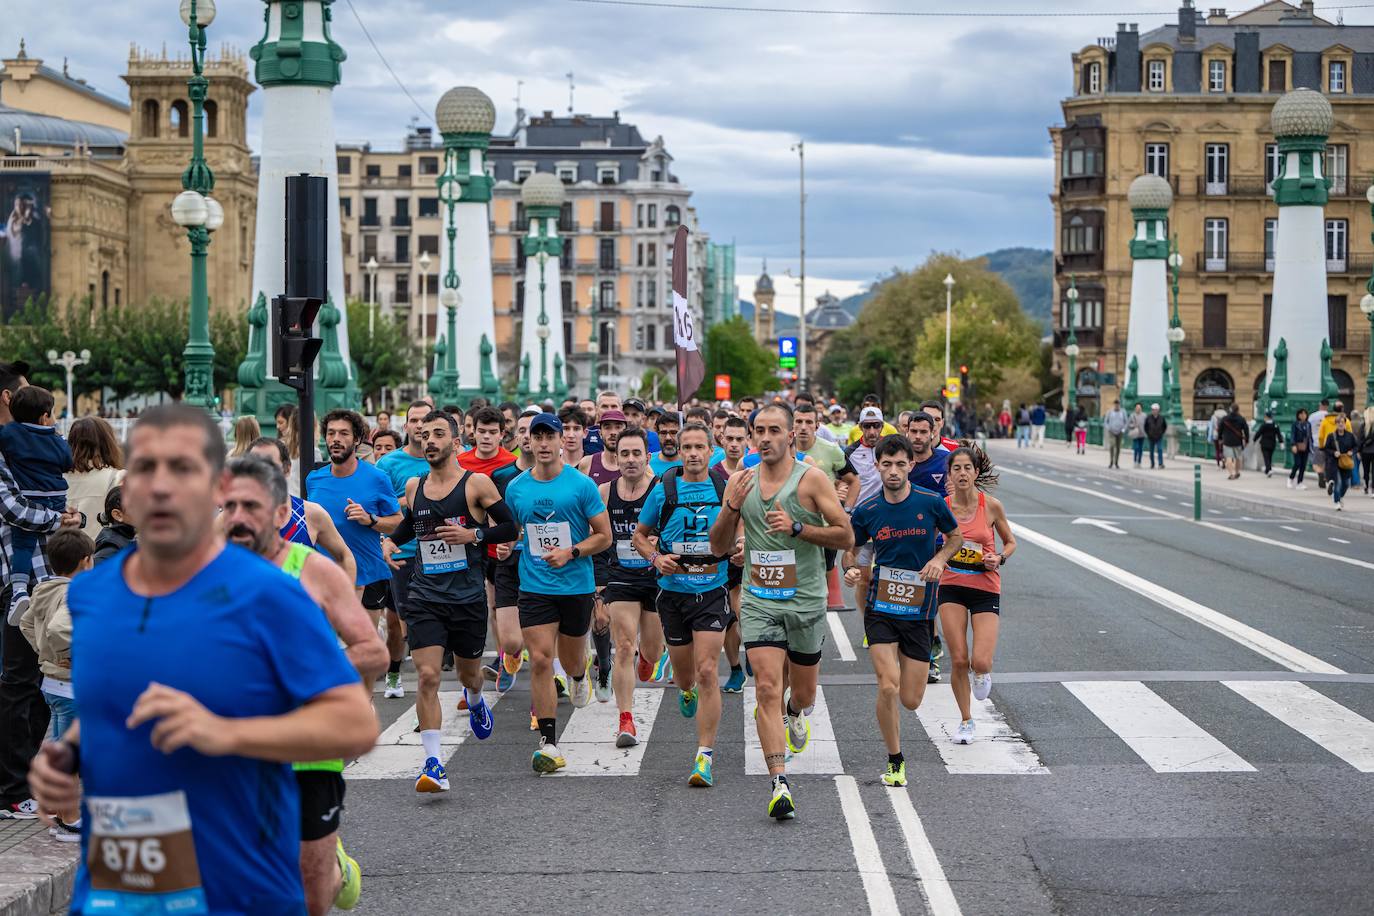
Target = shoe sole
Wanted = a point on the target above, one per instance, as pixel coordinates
(477, 733)
(782, 810)
(625, 739)
(699, 781)
(732, 690)
(430, 784)
(547, 765)
(893, 784)
(393, 695)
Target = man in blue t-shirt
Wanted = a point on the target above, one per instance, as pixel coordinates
(360, 500)
(204, 670)
(692, 597)
(930, 461)
(902, 521)
(563, 525)
(667, 455)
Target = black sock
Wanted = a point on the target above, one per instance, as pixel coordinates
(780, 778)
(735, 669)
(546, 729)
(790, 710)
(394, 667)
(602, 643)
(896, 759)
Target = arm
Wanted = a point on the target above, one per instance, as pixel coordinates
(585, 466)
(17, 511)
(333, 591)
(600, 537)
(954, 539)
(1003, 528)
(328, 539)
(386, 523)
(643, 539)
(487, 498)
(725, 529)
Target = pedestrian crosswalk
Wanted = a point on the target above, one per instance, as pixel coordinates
(1158, 733)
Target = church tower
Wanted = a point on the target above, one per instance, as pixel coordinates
(765, 331)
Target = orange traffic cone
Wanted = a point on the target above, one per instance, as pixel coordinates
(834, 600)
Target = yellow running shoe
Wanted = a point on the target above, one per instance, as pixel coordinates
(895, 775)
(547, 758)
(352, 887)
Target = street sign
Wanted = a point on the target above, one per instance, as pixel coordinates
(952, 387)
(722, 387)
(787, 352)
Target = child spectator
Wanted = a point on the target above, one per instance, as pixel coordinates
(37, 457)
(116, 533)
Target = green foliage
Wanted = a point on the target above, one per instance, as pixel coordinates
(1030, 274)
(667, 387)
(730, 349)
(390, 358)
(993, 338)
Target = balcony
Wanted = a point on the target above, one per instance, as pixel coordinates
(607, 227)
(608, 264)
(1359, 265)
(1344, 186)
(1232, 340)
(1087, 337)
(370, 221)
(1083, 185)
(386, 181)
(1233, 186)
(400, 221)
(1239, 262)
(1079, 261)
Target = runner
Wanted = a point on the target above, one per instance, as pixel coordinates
(789, 514)
(631, 589)
(563, 525)
(596, 410)
(735, 441)
(692, 599)
(901, 522)
(446, 607)
(255, 502)
(936, 410)
(870, 402)
(601, 466)
(308, 524)
(636, 415)
(574, 428)
(863, 465)
(929, 471)
(971, 587)
(181, 625)
(667, 456)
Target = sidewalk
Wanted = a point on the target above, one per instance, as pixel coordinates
(1253, 492)
(36, 871)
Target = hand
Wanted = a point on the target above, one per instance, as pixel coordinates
(841, 490)
(559, 557)
(71, 518)
(779, 522)
(666, 563)
(356, 513)
(388, 548)
(738, 487)
(737, 558)
(851, 576)
(933, 570)
(180, 721)
(52, 786)
(456, 535)
(503, 551)
(992, 560)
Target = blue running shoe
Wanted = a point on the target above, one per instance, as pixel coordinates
(687, 702)
(433, 778)
(736, 682)
(748, 668)
(504, 681)
(481, 719)
(663, 669)
(701, 772)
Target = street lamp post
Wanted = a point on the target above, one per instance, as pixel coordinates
(1071, 350)
(1367, 306)
(69, 361)
(542, 332)
(1176, 335)
(595, 308)
(949, 319)
(198, 213)
(371, 268)
(424, 263)
(450, 192)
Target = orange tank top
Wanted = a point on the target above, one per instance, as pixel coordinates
(966, 567)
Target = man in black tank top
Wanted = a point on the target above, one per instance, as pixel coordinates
(447, 607)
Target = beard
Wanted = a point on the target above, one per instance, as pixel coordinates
(341, 457)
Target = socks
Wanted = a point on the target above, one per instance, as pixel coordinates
(704, 750)
(474, 697)
(896, 759)
(394, 667)
(602, 643)
(558, 667)
(780, 779)
(546, 730)
(735, 669)
(430, 739)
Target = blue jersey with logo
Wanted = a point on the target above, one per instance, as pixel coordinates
(369, 488)
(904, 541)
(399, 466)
(687, 533)
(244, 639)
(933, 473)
(554, 514)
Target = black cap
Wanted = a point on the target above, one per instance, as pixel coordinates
(633, 404)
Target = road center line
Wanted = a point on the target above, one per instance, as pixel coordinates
(881, 899)
(934, 885)
(840, 636)
(1291, 657)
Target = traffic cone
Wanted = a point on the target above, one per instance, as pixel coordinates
(834, 600)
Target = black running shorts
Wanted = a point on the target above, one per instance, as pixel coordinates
(572, 613)
(644, 593)
(377, 595)
(459, 628)
(322, 797)
(911, 635)
(684, 613)
(976, 600)
(507, 581)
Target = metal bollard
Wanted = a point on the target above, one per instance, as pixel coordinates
(1197, 492)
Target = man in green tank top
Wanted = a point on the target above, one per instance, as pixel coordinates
(789, 514)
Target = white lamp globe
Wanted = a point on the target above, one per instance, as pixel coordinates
(1367, 304)
(205, 12)
(1072, 293)
(542, 332)
(86, 355)
(449, 298)
(215, 214)
(52, 356)
(1071, 350)
(1175, 260)
(1369, 194)
(189, 209)
(1175, 335)
(424, 261)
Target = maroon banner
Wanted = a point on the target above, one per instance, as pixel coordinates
(691, 367)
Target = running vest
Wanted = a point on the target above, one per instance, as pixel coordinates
(296, 530)
(780, 570)
(293, 566)
(627, 567)
(600, 473)
(966, 567)
(445, 574)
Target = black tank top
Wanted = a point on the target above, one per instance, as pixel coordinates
(627, 567)
(445, 574)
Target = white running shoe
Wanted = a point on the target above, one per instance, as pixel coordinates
(964, 734)
(580, 691)
(394, 690)
(982, 686)
(1290, 483)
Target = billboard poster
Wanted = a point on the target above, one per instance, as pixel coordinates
(25, 239)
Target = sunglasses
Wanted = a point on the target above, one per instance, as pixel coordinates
(870, 426)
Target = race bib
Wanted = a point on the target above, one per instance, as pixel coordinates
(900, 592)
(142, 857)
(690, 555)
(968, 561)
(437, 556)
(773, 574)
(627, 557)
(546, 536)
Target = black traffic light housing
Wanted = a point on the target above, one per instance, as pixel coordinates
(294, 349)
(963, 384)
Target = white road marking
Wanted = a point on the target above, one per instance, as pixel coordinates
(840, 636)
(1290, 657)
(1249, 536)
(1346, 734)
(1117, 486)
(588, 740)
(1184, 503)
(1099, 523)
(877, 886)
(1134, 490)
(934, 885)
(397, 752)
(1339, 540)
(1162, 736)
(1289, 528)
(822, 754)
(997, 750)
(1156, 495)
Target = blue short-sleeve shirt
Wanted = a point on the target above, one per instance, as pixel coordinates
(554, 513)
(369, 488)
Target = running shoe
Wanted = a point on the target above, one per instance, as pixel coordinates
(798, 732)
(352, 887)
(481, 720)
(663, 670)
(26, 810)
(394, 690)
(581, 688)
(534, 722)
(547, 758)
(644, 669)
(937, 648)
(626, 736)
(895, 775)
(748, 668)
(462, 702)
(701, 772)
(982, 686)
(513, 667)
(687, 702)
(448, 661)
(934, 676)
(964, 734)
(560, 683)
(64, 832)
(433, 778)
(504, 681)
(491, 668)
(603, 685)
(736, 682)
(780, 806)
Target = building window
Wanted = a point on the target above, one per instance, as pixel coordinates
(346, 205)
(672, 216)
(519, 296)
(402, 249)
(427, 244)
(1218, 159)
(565, 217)
(1214, 320)
(653, 216)
(651, 294)
(427, 206)
(567, 173)
(1338, 166)
(1155, 75)
(1337, 238)
(651, 337)
(1272, 161)
(1214, 238)
(345, 165)
(607, 254)
(1271, 233)
(373, 171)
(652, 252)
(211, 118)
(432, 284)
(606, 221)
(104, 289)
(1081, 237)
(1092, 83)
(1216, 76)
(607, 174)
(606, 295)
(152, 116)
(1335, 324)
(1157, 159)
(181, 119)
(522, 172)
(639, 216)
(1080, 160)
(429, 165)
(370, 217)
(402, 295)
(404, 171)
(402, 217)
(117, 296)
(1278, 75)
(639, 294)
(1335, 76)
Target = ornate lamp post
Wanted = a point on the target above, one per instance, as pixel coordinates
(542, 332)
(949, 319)
(1071, 350)
(199, 214)
(450, 191)
(69, 361)
(1367, 306)
(1176, 335)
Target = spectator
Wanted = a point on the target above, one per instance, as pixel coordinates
(1023, 427)
(246, 432)
(1114, 426)
(1135, 429)
(384, 442)
(1269, 437)
(115, 533)
(1080, 430)
(1004, 421)
(1340, 449)
(1314, 423)
(39, 458)
(1300, 444)
(1214, 433)
(1234, 434)
(1037, 415)
(1322, 431)
(1155, 427)
(287, 429)
(97, 468)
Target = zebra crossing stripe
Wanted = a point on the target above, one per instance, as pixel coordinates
(397, 752)
(588, 740)
(997, 750)
(1346, 734)
(1160, 735)
(822, 754)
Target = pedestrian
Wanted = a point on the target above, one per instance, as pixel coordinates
(1135, 429)
(115, 532)
(1214, 433)
(1037, 415)
(1320, 433)
(1367, 447)
(1317, 457)
(1023, 427)
(1114, 424)
(246, 432)
(1234, 434)
(1155, 427)
(1269, 437)
(1300, 444)
(1340, 449)
(97, 468)
(1080, 431)
(1004, 421)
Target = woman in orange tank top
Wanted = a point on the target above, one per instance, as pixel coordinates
(971, 587)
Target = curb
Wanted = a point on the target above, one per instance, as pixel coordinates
(36, 876)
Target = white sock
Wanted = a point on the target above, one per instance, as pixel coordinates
(430, 739)
(704, 750)
(558, 667)
(474, 697)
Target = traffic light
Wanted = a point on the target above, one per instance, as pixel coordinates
(293, 349)
(963, 383)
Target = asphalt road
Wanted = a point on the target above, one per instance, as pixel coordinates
(1181, 723)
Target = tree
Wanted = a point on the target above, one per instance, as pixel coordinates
(667, 389)
(991, 338)
(388, 357)
(731, 349)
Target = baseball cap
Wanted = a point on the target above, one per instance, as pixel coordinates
(546, 421)
(634, 404)
(613, 416)
(836, 408)
(870, 415)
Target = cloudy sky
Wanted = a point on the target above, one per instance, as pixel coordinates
(922, 133)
